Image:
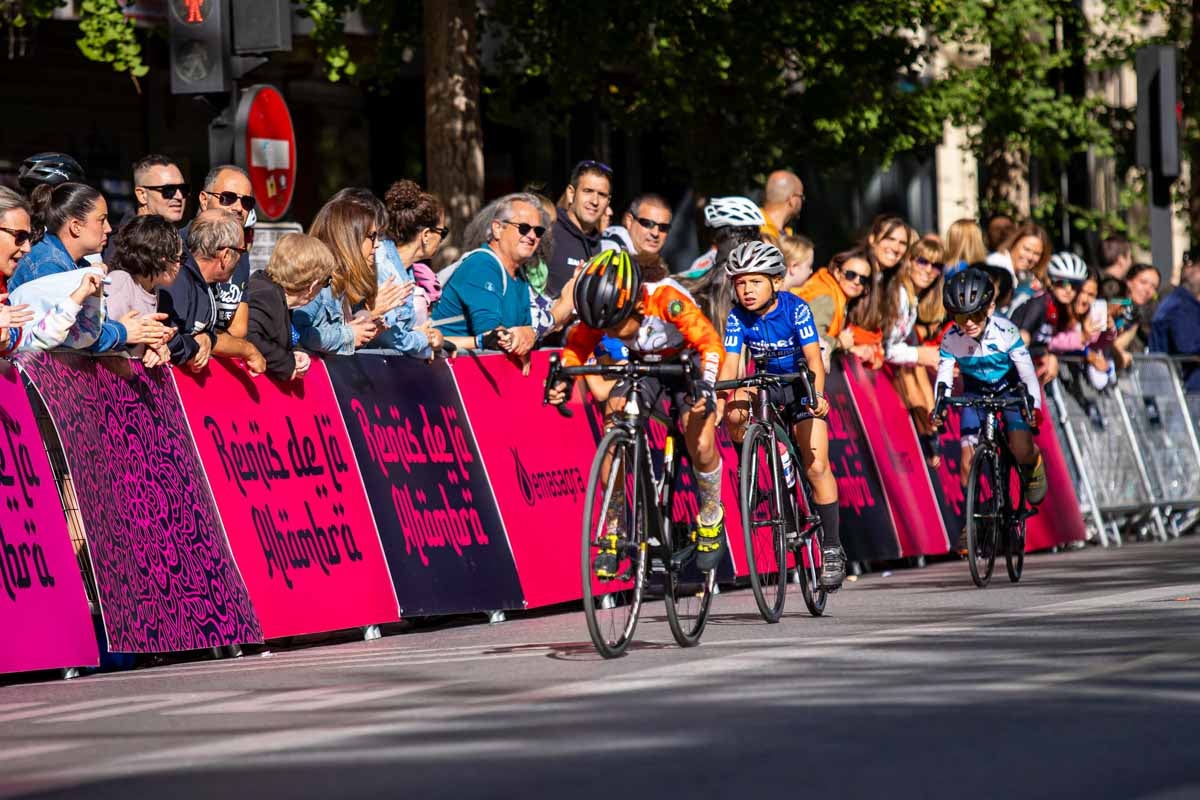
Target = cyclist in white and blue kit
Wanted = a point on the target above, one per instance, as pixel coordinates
(992, 359)
(778, 325)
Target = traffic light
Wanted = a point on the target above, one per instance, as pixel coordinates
(1157, 110)
(261, 26)
(200, 47)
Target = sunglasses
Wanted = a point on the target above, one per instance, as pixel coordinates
(444, 231)
(169, 190)
(925, 262)
(374, 237)
(1064, 283)
(523, 228)
(22, 237)
(651, 225)
(241, 251)
(862, 278)
(977, 317)
(229, 198)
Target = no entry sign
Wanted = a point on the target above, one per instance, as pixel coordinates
(265, 145)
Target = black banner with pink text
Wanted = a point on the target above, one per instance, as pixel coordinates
(441, 529)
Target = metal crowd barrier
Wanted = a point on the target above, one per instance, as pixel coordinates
(1135, 447)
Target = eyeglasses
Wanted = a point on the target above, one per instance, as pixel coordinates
(241, 251)
(925, 262)
(373, 236)
(862, 278)
(651, 225)
(169, 190)
(977, 317)
(444, 231)
(1064, 283)
(229, 198)
(21, 237)
(590, 164)
(523, 228)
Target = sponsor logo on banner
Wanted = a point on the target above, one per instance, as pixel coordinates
(44, 618)
(441, 531)
(291, 499)
(548, 484)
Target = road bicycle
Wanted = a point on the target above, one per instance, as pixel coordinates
(779, 524)
(996, 509)
(629, 514)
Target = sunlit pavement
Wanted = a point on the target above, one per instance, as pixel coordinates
(1081, 681)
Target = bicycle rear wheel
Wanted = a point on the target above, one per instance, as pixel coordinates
(1014, 540)
(764, 525)
(808, 554)
(983, 515)
(613, 521)
(687, 592)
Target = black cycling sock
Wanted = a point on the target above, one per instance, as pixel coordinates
(830, 536)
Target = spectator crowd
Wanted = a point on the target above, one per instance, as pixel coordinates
(364, 277)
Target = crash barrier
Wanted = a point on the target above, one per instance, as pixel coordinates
(221, 509)
(1133, 445)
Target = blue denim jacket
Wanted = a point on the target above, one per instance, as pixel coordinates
(399, 334)
(322, 326)
(50, 257)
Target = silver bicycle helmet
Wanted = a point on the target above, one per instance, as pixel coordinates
(1067, 266)
(758, 258)
(735, 212)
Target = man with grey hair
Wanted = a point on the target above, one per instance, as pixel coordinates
(782, 201)
(485, 304)
(215, 243)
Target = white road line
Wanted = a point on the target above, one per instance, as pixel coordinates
(45, 709)
(33, 750)
(309, 699)
(140, 704)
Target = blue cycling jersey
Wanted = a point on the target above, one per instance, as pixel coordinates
(780, 334)
(987, 363)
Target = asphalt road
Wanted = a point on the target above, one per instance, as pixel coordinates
(1082, 681)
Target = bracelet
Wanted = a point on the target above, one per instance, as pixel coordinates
(818, 395)
(479, 341)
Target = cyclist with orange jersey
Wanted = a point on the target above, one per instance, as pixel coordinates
(656, 324)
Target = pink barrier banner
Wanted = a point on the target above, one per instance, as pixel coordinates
(904, 476)
(44, 618)
(291, 498)
(164, 572)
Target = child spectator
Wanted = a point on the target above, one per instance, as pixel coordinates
(146, 255)
(299, 268)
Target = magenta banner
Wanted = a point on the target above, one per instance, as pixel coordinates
(902, 470)
(44, 618)
(291, 498)
(164, 572)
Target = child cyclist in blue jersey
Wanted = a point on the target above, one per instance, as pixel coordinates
(778, 325)
(992, 358)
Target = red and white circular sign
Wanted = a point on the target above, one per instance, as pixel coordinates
(265, 145)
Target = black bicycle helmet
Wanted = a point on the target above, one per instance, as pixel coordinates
(50, 169)
(608, 289)
(969, 291)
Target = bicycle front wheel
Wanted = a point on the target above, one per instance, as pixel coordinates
(613, 533)
(983, 515)
(762, 495)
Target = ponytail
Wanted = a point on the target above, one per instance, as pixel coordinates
(55, 206)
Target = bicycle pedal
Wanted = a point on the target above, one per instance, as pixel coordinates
(658, 566)
(681, 557)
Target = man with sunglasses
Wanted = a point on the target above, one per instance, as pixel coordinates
(648, 222)
(228, 189)
(158, 188)
(577, 230)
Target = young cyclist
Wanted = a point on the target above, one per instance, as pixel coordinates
(655, 324)
(989, 353)
(767, 321)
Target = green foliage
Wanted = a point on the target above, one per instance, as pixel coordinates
(396, 26)
(20, 13)
(108, 36)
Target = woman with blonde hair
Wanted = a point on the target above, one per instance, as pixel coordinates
(964, 245)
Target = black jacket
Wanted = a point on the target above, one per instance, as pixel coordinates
(270, 326)
(572, 247)
(190, 308)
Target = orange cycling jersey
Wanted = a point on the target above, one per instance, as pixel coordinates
(670, 324)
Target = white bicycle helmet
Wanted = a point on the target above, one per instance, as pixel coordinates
(758, 258)
(1067, 266)
(736, 212)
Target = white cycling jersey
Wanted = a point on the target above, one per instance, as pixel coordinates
(988, 362)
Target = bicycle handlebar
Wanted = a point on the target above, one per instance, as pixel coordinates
(992, 404)
(629, 369)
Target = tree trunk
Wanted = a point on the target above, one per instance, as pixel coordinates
(1006, 182)
(453, 130)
